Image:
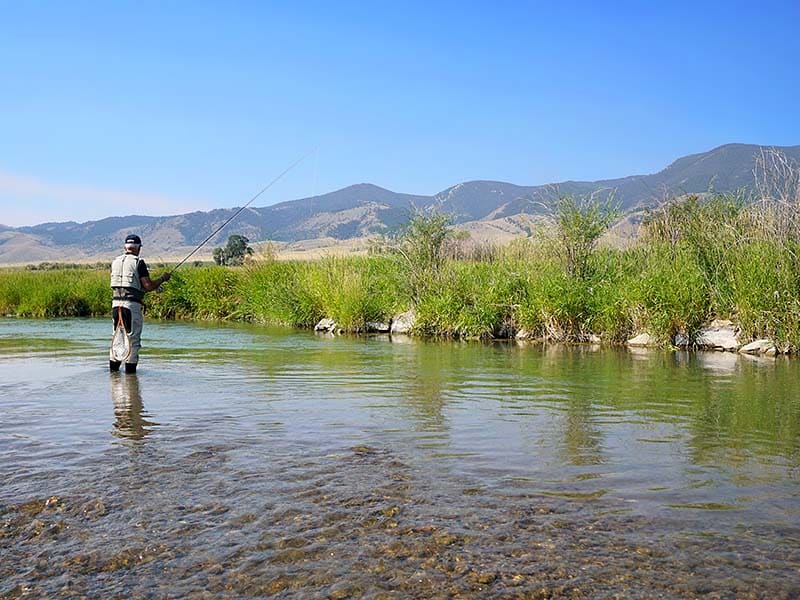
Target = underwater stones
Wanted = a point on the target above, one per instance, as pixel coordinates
(94, 509)
(363, 450)
(484, 577)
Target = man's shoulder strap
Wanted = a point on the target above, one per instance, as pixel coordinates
(123, 257)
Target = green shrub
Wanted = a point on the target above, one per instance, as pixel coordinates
(420, 248)
(579, 225)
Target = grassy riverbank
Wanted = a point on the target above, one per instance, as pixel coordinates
(694, 261)
(67, 292)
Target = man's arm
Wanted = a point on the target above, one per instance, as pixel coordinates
(144, 276)
(149, 284)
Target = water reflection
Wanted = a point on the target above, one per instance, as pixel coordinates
(129, 413)
(350, 467)
(426, 389)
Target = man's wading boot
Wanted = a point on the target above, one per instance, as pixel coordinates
(130, 367)
(113, 365)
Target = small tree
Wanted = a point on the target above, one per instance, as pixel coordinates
(421, 244)
(234, 252)
(580, 223)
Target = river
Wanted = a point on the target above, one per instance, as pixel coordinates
(249, 461)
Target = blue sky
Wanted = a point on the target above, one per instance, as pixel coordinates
(115, 108)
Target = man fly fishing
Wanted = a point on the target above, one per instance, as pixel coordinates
(130, 280)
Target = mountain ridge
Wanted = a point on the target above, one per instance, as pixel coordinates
(365, 209)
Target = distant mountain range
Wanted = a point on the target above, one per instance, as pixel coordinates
(364, 209)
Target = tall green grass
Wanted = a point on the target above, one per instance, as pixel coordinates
(696, 260)
(471, 300)
(56, 293)
(356, 290)
(765, 290)
(277, 292)
(353, 291)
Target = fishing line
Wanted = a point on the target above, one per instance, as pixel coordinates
(236, 214)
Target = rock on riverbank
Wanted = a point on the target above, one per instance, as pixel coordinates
(400, 324)
(720, 335)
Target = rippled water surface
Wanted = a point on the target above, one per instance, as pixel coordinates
(246, 461)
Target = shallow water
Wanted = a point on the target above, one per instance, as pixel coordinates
(249, 461)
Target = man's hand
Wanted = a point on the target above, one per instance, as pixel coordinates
(149, 285)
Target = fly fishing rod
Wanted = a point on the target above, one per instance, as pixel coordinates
(236, 214)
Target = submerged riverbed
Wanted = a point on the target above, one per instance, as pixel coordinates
(247, 461)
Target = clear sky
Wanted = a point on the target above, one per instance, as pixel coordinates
(115, 108)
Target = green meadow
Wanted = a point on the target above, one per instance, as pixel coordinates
(694, 260)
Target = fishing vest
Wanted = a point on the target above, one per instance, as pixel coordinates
(125, 274)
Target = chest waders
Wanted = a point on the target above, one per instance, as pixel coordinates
(126, 313)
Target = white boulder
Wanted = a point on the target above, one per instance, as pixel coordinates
(642, 340)
(325, 325)
(759, 347)
(404, 322)
(719, 335)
